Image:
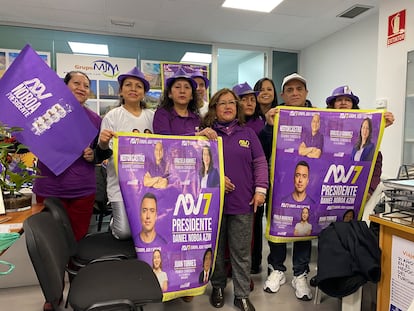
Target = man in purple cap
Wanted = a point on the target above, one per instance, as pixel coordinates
(294, 93)
(202, 86)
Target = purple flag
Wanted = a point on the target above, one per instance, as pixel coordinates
(33, 97)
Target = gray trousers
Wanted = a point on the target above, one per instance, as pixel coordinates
(119, 225)
(236, 232)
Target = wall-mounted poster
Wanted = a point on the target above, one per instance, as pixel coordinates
(8, 56)
(103, 72)
(152, 72)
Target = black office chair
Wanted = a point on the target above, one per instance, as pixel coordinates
(101, 207)
(110, 284)
(93, 246)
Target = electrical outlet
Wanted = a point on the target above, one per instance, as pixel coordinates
(381, 103)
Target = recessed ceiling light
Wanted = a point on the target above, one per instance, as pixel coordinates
(192, 57)
(88, 48)
(256, 5)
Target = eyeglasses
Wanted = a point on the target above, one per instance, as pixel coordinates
(230, 102)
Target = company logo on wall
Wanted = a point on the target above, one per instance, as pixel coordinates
(396, 27)
(106, 68)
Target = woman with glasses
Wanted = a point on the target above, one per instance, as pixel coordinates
(246, 183)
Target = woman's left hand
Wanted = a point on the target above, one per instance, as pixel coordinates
(88, 154)
(208, 132)
(257, 200)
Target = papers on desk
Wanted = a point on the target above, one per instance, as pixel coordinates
(405, 184)
(6, 228)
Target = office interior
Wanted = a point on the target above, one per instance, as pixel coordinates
(357, 55)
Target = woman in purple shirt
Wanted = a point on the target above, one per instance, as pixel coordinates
(246, 183)
(178, 112)
(76, 186)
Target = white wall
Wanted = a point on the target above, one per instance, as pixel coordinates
(391, 78)
(348, 57)
(359, 57)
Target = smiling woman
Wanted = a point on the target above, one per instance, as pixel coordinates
(131, 115)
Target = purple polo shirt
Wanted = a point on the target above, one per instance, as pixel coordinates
(170, 123)
(256, 124)
(77, 180)
(313, 140)
(245, 164)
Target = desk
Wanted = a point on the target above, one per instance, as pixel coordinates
(23, 274)
(20, 217)
(17, 218)
(388, 229)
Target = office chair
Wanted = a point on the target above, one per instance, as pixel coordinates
(101, 285)
(101, 207)
(92, 246)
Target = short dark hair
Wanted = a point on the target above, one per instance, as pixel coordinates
(70, 74)
(149, 195)
(302, 163)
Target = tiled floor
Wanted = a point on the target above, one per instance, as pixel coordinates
(30, 298)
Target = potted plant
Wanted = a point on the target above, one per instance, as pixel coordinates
(13, 173)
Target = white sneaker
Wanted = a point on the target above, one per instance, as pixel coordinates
(302, 290)
(273, 281)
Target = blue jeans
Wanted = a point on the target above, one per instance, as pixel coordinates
(301, 256)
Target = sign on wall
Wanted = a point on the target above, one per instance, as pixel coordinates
(396, 27)
(103, 73)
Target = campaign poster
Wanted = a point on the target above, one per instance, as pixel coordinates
(321, 167)
(173, 207)
(34, 98)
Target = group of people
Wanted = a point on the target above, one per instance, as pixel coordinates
(235, 115)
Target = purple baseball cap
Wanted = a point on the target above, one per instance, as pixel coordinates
(181, 74)
(244, 89)
(135, 73)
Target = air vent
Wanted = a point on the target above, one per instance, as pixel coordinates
(354, 11)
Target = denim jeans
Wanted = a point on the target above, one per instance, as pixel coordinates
(301, 256)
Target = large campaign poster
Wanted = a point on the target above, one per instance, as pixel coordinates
(321, 166)
(173, 207)
(34, 98)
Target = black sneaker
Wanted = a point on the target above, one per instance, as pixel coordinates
(244, 304)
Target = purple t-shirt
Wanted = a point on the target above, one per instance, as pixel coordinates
(170, 123)
(245, 164)
(77, 180)
(256, 124)
(290, 202)
(313, 140)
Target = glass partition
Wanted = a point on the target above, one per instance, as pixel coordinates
(408, 147)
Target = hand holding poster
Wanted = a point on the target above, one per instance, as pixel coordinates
(321, 167)
(34, 98)
(173, 209)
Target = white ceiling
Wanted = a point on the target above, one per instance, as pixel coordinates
(292, 26)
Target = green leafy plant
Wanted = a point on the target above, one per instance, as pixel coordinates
(13, 174)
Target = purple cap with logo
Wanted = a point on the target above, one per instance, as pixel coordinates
(243, 89)
(342, 91)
